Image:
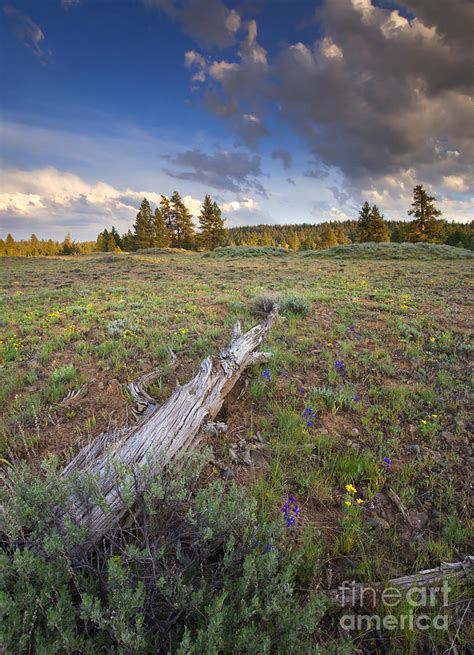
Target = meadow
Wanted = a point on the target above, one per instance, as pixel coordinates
(367, 394)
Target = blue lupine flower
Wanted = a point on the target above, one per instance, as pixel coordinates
(388, 463)
(266, 374)
(290, 511)
(308, 413)
(339, 365)
(309, 424)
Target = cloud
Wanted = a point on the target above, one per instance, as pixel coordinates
(374, 95)
(49, 202)
(209, 22)
(284, 156)
(28, 32)
(231, 171)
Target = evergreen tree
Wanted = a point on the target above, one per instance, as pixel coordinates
(129, 242)
(328, 238)
(161, 234)
(143, 226)
(377, 229)
(117, 238)
(68, 246)
(363, 223)
(178, 220)
(211, 224)
(10, 246)
(35, 247)
(425, 226)
(106, 238)
(100, 244)
(293, 241)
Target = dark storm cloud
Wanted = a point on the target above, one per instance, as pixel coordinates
(375, 95)
(231, 171)
(283, 155)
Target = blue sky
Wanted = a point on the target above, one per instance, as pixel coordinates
(284, 111)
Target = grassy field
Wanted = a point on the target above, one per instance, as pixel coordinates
(369, 387)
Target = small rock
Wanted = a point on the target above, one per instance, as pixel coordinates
(414, 449)
(323, 432)
(418, 519)
(355, 432)
(377, 522)
(227, 474)
(101, 386)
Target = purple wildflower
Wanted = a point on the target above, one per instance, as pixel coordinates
(266, 374)
(290, 511)
(388, 463)
(339, 365)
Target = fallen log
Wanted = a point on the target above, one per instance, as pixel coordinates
(172, 428)
(361, 594)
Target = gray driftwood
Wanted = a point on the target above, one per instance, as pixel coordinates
(175, 426)
(365, 592)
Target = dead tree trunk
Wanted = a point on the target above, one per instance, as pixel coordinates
(164, 432)
(361, 593)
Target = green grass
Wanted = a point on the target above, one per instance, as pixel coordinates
(419, 251)
(402, 329)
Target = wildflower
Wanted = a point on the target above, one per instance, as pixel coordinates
(351, 489)
(266, 374)
(434, 415)
(433, 339)
(309, 424)
(290, 511)
(388, 463)
(423, 421)
(347, 503)
(359, 501)
(403, 306)
(339, 365)
(356, 398)
(184, 331)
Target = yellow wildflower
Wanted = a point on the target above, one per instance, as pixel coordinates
(423, 421)
(433, 339)
(347, 503)
(359, 501)
(351, 489)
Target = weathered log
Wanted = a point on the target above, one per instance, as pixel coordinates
(363, 593)
(167, 430)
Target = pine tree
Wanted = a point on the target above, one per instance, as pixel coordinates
(293, 241)
(328, 238)
(425, 226)
(143, 226)
(68, 246)
(100, 244)
(35, 246)
(10, 246)
(378, 230)
(363, 223)
(117, 238)
(211, 225)
(161, 235)
(178, 220)
(129, 242)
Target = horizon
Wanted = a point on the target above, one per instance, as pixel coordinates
(285, 113)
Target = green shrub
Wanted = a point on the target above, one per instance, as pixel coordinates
(288, 304)
(187, 577)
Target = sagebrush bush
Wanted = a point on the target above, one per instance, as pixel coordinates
(188, 576)
(289, 303)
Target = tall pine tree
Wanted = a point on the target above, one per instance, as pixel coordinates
(425, 226)
(363, 222)
(211, 225)
(178, 220)
(161, 234)
(143, 226)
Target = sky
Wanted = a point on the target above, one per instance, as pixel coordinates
(284, 111)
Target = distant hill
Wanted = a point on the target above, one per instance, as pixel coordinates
(392, 251)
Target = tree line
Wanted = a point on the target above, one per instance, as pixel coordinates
(171, 225)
